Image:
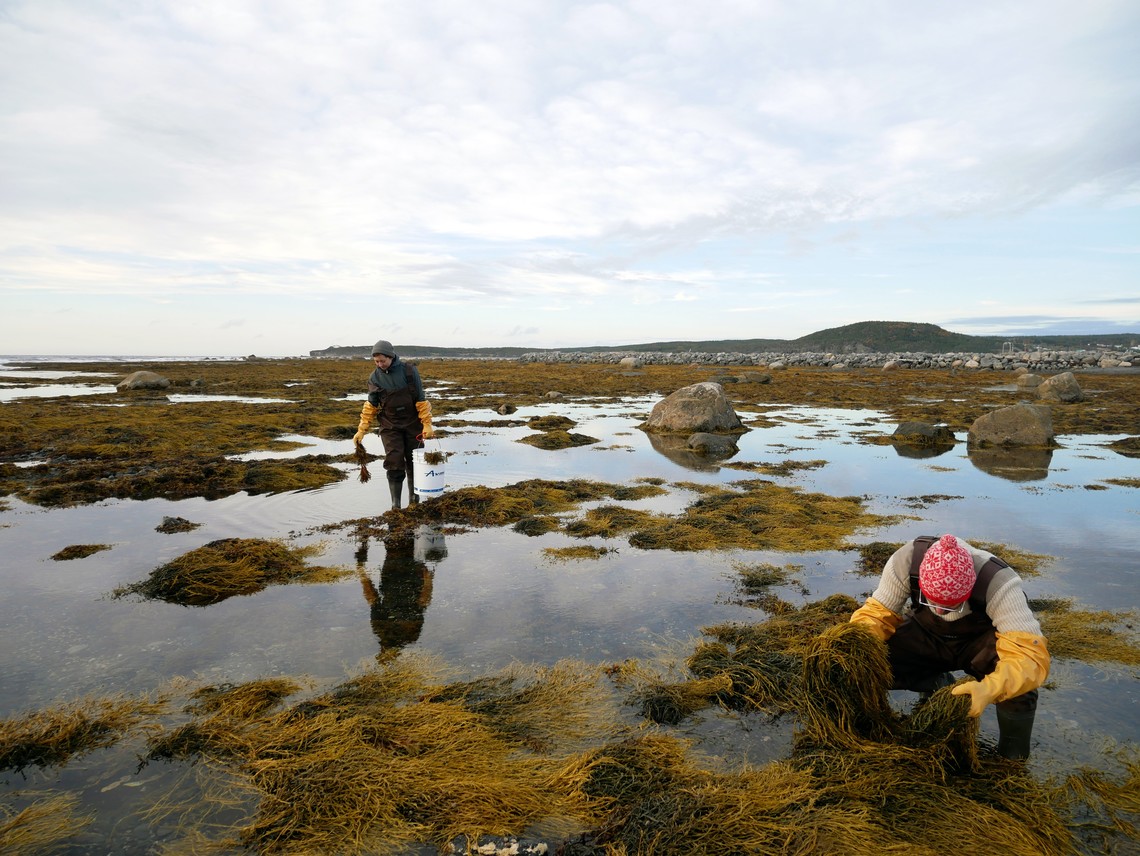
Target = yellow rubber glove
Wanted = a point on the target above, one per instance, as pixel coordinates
(1023, 665)
(366, 414)
(423, 408)
(877, 618)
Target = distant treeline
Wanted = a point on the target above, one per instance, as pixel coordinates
(882, 337)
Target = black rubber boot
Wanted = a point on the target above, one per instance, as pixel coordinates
(413, 497)
(1015, 731)
(396, 486)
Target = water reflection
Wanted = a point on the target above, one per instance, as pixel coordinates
(1013, 464)
(676, 448)
(397, 605)
(913, 450)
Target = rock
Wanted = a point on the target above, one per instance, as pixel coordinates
(924, 434)
(696, 408)
(891, 365)
(630, 363)
(553, 395)
(1062, 387)
(755, 377)
(1029, 380)
(143, 380)
(713, 445)
(506, 409)
(1016, 425)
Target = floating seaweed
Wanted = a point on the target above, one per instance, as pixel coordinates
(551, 440)
(79, 551)
(43, 826)
(171, 525)
(585, 551)
(390, 758)
(1092, 636)
(229, 567)
(54, 736)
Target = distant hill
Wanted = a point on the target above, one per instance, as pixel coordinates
(882, 337)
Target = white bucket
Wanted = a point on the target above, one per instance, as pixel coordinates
(428, 477)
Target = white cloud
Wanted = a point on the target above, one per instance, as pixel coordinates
(525, 152)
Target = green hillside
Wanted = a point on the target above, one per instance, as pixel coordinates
(865, 336)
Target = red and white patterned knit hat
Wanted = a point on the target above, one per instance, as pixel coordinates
(946, 575)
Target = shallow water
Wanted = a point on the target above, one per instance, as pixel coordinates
(496, 598)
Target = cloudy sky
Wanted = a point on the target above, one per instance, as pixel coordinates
(276, 176)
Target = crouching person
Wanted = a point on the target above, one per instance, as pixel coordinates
(967, 612)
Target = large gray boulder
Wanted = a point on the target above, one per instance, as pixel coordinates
(143, 380)
(1016, 425)
(701, 407)
(1061, 388)
(923, 434)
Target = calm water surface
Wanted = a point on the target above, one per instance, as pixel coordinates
(496, 598)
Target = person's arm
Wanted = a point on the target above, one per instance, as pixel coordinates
(423, 406)
(367, 412)
(1023, 665)
(882, 612)
(1023, 654)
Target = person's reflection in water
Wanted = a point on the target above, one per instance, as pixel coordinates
(397, 607)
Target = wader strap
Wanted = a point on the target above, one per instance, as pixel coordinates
(981, 584)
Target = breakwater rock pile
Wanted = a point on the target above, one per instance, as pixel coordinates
(1034, 361)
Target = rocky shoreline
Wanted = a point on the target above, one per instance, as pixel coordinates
(1034, 361)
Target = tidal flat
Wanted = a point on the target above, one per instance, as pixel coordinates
(218, 637)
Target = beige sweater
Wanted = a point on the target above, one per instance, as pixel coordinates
(1005, 603)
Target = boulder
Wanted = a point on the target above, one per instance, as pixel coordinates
(755, 377)
(1016, 425)
(923, 434)
(892, 366)
(1029, 381)
(713, 445)
(630, 363)
(143, 380)
(1062, 387)
(696, 408)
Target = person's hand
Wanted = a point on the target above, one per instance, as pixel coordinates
(980, 695)
(423, 409)
(367, 412)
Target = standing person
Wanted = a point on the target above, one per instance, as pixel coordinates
(967, 611)
(396, 398)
